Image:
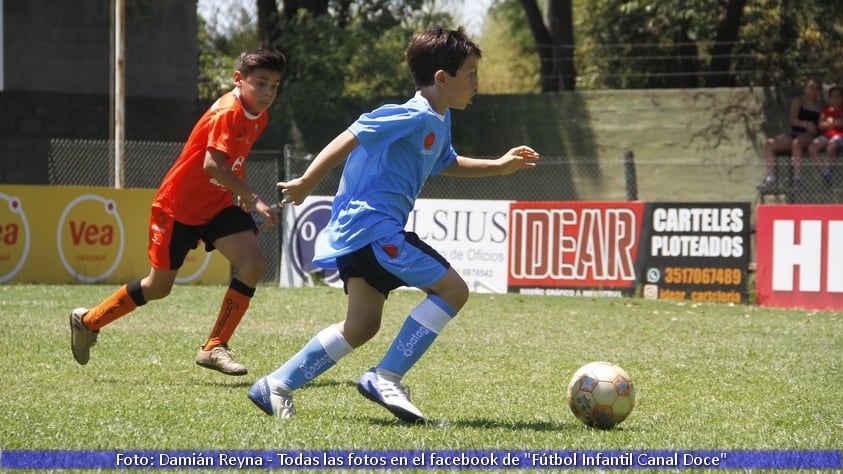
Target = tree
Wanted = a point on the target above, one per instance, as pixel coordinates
(554, 37)
(656, 44)
(724, 43)
(269, 24)
(787, 41)
(219, 47)
(510, 63)
(706, 43)
(342, 56)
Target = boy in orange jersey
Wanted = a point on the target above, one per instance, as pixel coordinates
(196, 202)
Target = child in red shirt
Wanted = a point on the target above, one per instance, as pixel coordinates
(195, 203)
(831, 126)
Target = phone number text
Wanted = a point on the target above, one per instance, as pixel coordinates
(702, 276)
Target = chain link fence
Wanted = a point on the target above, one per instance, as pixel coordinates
(626, 177)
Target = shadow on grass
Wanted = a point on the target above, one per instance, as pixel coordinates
(482, 423)
(247, 381)
(488, 423)
(538, 426)
(229, 383)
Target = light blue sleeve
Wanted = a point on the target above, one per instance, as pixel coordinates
(378, 129)
(445, 159)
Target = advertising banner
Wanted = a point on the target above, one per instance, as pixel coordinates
(574, 248)
(75, 234)
(696, 251)
(800, 256)
(680, 251)
(472, 235)
(300, 225)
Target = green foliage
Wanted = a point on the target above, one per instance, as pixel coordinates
(637, 44)
(708, 376)
(219, 47)
(510, 63)
(634, 44)
(788, 51)
(354, 57)
(340, 65)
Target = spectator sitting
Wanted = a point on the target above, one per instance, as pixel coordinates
(804, 116)
(831, 126)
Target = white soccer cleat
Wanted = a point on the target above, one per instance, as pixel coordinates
(385, 389)
(82, 339)
(274, 402)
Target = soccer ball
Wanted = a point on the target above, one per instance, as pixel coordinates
(601, 394)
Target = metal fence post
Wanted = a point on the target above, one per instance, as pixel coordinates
(631, 179)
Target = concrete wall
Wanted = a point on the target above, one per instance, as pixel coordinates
(66, 47)
(689, 144)
(89, 116)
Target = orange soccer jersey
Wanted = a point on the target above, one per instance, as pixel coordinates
(189, 194)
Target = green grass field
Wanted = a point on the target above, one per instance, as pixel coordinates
(708, 376)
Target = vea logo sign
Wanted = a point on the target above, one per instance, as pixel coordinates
(15, 236)
(90, 238)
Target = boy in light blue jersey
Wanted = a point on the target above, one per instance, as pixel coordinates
(390, 153)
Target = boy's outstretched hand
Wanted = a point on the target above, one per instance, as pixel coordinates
(516, 159)
(294, 191)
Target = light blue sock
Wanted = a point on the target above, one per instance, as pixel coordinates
(424, 323)
(321, 353)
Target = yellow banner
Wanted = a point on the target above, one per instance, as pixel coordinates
(78, 234)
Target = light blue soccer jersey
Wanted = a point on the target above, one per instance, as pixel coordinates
(400, 146)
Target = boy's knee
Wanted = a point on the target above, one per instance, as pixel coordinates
(253, 270)
(156, 291)
(460, 294)
(360, 333)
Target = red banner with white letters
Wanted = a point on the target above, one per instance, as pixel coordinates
(800, 256)
(574, 248)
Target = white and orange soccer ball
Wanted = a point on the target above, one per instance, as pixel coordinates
(601, 394)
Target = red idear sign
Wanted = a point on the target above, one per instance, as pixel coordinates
(573, 244)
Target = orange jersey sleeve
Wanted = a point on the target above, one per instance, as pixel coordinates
(188, 193)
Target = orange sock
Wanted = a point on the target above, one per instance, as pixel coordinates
(122, 302)
(234, 306)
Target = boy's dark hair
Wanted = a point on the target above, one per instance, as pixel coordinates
(438, 48)
(261, 59)
(838, 89)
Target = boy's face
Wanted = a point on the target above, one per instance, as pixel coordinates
(462, 87)
(259, 89)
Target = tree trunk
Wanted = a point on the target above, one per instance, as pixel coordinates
(269, 28)
(687, 62)
(315, 7)
(561, 26)
(543, 46)
(724, 44)
(554, 43)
